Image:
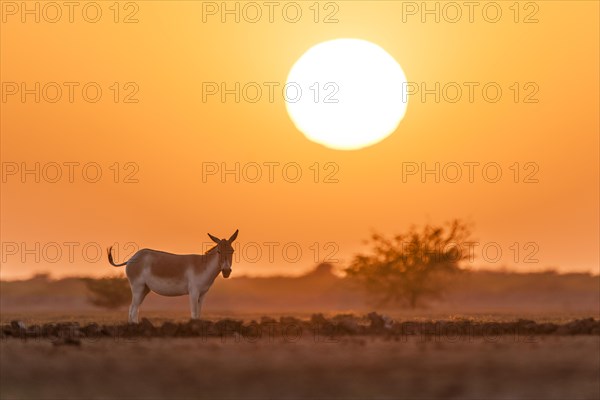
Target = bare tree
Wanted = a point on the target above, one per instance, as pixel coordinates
(111, 292)
(411, 266)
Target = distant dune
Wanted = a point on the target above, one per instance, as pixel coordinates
(322, 291)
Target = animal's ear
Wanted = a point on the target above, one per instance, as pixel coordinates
(214, 239)
(234, 236)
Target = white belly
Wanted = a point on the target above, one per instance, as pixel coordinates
(167, 287)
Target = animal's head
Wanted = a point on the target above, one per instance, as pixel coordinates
(225, 250)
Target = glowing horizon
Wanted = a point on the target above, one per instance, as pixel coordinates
(191, 135)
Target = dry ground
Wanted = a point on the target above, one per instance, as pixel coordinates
(182, 314)
(349, 367)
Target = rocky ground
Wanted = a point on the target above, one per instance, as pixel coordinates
(289, 327)
(339, 357)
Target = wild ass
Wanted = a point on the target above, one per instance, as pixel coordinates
(176, 274)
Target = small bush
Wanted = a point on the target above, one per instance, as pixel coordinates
(111, 292)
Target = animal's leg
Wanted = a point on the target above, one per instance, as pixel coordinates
(194, 304)
(200, 300)
(138, 294)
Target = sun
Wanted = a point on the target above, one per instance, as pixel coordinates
(346, 94)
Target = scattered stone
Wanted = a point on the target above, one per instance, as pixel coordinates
(268, 325)
(146, 324)
(6, 329)
(34, 331)
(18, 328)
(379, 323)
(146, 328)
(581, 326)
(267, 320)
(168, 329)
(109, 330)
(91, 330)
(546, 329)
(194, 328)
(347, 324)
(49, 330)
(318, 319)
(228, 326)
(290, 321)
(318, 324)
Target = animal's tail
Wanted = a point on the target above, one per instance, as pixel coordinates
(110, 259)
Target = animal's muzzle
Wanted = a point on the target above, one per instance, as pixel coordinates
(226, 273)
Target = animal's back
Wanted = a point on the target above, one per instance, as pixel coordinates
(159, 263)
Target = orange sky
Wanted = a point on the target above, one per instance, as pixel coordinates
(170, 134)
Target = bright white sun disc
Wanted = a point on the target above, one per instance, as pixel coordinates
(346, 94)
